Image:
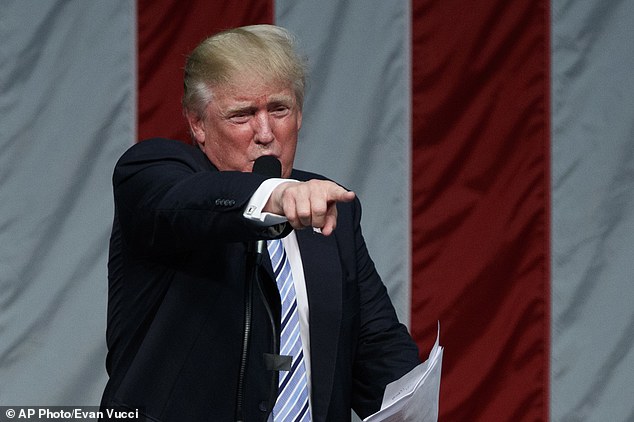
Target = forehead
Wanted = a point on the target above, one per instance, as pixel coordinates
(250, 87)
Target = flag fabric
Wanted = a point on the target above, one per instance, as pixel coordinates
(491, 144)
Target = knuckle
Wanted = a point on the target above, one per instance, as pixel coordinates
(320, 209)
(303, 214)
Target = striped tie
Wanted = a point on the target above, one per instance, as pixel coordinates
(292, 397)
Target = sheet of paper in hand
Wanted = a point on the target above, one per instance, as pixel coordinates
(414, 397)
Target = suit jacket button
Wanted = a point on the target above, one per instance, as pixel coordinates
(263, 406)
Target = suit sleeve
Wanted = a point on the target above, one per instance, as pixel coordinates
(168, 196)
(385, 351)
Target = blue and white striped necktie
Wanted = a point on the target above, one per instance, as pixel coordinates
(292, 397)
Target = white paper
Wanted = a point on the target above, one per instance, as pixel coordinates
(414, 397)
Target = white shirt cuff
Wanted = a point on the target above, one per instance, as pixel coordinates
(253, 210)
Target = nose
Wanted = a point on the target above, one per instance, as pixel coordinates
(263, 129)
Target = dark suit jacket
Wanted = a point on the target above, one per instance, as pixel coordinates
(176, 298)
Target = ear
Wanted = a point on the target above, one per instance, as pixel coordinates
(299, 120)
(197, 127)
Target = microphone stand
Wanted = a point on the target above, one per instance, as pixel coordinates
(271, 167)
(254, 262)
(275, 339)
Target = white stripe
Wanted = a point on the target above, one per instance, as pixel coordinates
(361, 140)
(67, 105)
(592, 338)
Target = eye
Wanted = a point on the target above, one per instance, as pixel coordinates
(280, 110)
(239, 118)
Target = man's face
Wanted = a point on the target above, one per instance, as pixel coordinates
(246, 119)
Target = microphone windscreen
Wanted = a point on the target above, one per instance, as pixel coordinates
(268, 166)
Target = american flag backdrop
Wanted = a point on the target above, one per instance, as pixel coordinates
(491, 144)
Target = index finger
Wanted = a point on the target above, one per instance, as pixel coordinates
(340, 194)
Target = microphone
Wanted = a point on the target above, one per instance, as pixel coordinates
(269, 166)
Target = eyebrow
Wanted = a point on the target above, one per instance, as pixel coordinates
(239, 109)
(280, 98)
(273, 100)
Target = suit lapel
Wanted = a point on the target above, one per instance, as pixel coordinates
(322, 271)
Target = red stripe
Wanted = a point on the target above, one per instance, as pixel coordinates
(480, 203)
(167, 31)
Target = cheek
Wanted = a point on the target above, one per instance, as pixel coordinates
(288, 154)
(235, 139)
(239, 156)
(229, 153)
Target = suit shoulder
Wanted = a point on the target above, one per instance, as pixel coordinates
(306, 175)
(160, 146)
(159, 149)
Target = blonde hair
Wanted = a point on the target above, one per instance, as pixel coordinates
(266, 50)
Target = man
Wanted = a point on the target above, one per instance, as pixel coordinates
(197, 328)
